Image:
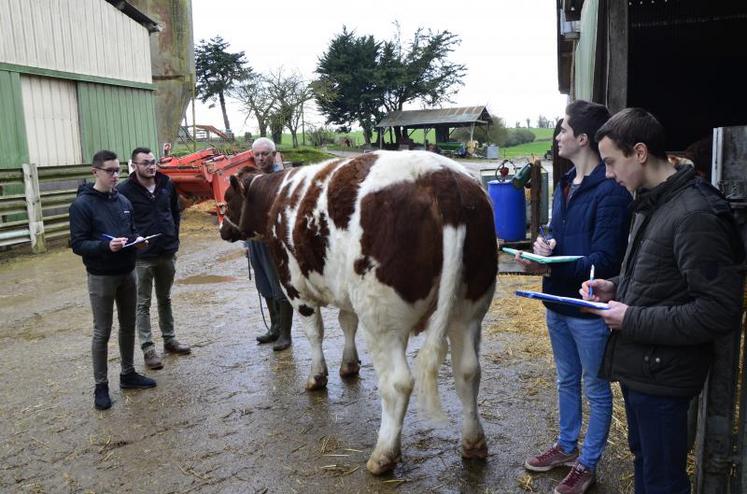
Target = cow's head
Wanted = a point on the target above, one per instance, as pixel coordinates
(234, 201)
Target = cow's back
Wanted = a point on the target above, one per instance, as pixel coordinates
(374, 227)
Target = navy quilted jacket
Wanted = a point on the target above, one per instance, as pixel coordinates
(594, 223)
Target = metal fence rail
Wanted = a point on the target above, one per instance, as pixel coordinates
(40, 211)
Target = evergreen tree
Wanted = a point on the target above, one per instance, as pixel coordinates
(218, 71)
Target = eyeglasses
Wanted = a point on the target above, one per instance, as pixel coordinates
(146, 163)
(110, 171)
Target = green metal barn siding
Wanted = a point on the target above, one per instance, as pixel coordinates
(116, 118)
(14, 149)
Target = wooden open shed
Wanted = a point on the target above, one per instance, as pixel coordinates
(443, 120)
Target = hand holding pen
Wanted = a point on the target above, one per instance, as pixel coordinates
(118, 243)
(603, 290)
(545, 243)
(115, 243)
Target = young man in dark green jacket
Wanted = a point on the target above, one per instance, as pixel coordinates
(678, 291)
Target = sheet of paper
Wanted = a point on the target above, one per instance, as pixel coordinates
(135, 242)
(540, 259)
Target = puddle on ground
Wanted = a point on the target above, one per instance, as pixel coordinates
(202, 279)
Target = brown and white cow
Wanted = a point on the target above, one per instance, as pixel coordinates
(400, 242)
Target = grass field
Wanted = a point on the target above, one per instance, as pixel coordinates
(542, 134)
(536, 148)
(309, 154)
(356, 137)
(303, 154)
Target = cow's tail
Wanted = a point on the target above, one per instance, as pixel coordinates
(432, 353)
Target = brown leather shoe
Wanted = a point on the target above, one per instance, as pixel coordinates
(152, 360)
(174, 346)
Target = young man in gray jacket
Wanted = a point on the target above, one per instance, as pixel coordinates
(678, 291)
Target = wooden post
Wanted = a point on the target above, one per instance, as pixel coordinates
(617, 56)
(535, 199)
(34, 208)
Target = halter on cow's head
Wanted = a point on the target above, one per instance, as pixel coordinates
(234, 199)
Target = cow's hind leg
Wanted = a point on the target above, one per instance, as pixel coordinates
(395, 386)
(350, 365)
(464, 337)
(314, 329)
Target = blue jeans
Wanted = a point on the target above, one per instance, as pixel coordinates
(578, 348)
(657, 436)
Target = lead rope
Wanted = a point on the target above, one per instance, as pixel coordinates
(259, 296)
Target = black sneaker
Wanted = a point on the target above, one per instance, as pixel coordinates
(133, 380)
(101, 398)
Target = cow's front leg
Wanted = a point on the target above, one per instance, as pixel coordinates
(395, 387)
(350, 365)
(314, 329)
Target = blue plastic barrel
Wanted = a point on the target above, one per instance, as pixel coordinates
(509, 210)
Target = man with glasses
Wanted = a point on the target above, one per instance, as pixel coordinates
(268, 160)
(156, 212)
(102, 232)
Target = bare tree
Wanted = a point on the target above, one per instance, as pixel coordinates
(256, 99)
(290, 93)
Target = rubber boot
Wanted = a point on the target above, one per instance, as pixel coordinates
(285, 320)
(273, 333)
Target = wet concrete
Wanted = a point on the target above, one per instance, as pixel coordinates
(234, 416)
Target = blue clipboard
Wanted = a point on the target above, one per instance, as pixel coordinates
(556, 299)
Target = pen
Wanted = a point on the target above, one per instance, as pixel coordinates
(110, 237)
(542, 234)
(591, 278)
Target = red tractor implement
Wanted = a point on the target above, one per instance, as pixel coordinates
(205, 174)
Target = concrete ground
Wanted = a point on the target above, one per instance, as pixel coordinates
(234, 416)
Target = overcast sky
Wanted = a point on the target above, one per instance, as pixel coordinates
(508, 46)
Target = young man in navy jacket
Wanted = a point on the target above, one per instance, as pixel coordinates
(590, 218)
(156, 211)
(101, 226)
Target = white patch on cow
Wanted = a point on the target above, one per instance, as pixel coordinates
(395, 166)
(433, 351)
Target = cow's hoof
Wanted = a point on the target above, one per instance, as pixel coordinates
(316, 382)
(475, 450)
(351, 369)
(381, 465)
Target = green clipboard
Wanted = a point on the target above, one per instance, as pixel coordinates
(540, 259)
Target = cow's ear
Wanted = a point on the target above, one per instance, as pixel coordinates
(235, 184)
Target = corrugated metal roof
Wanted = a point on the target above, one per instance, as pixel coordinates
(454, 117)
